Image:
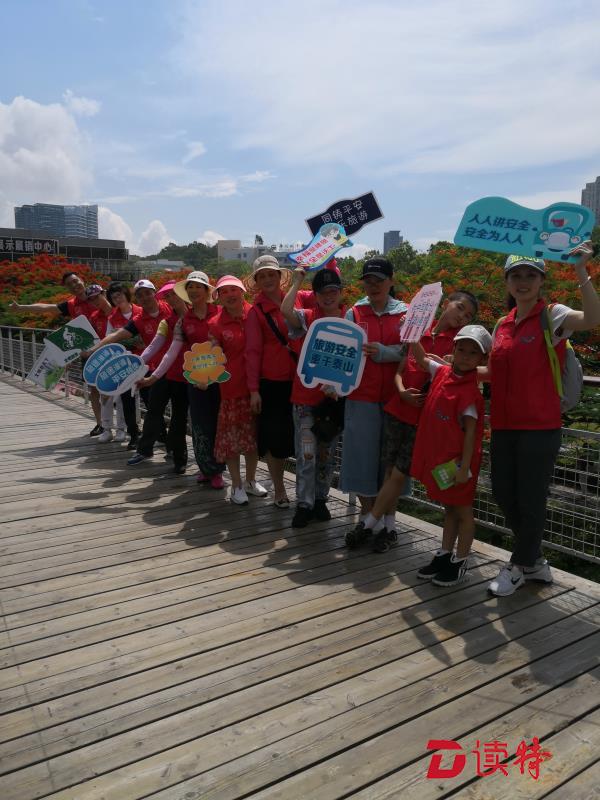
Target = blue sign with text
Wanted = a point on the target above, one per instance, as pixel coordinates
(499, 225)
(98, 359)
(332, 354)
(119, 374)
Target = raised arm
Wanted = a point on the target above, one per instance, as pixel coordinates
(41, 307)
(287, 304)
(589, 316)
(420, 356)
(120, 335)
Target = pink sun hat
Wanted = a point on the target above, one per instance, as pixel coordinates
(228, 280)
(164, 289)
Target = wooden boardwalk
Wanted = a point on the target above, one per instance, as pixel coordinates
(158, 642)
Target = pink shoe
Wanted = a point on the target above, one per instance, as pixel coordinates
(201, 477)
(217, 482)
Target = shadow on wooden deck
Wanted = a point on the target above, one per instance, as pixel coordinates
(159, 642)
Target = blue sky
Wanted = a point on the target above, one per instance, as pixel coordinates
(192, 120)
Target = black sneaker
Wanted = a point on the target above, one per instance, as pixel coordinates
(451, 573)
(132, 444)
(358, 535)
(384, 540)
(302, 517)
(436, 565)
(96, 430)
(321, 512)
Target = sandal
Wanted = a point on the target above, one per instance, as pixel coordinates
(282, 503)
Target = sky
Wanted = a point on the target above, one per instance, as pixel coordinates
(197, 120)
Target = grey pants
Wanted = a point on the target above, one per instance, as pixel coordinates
(522, 467)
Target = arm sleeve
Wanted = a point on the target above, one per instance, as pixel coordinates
(63, 308)
(153, 348)
(390, 352)
(169, 357)
(432, 366)
(470, 411)
(254, 348)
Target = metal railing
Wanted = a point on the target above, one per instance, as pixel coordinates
(573, 517)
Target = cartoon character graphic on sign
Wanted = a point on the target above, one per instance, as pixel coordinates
(562, 229)
(332, 355)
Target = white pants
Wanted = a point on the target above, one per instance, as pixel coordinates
(106, 419)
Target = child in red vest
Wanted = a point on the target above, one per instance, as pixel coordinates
(448, 445)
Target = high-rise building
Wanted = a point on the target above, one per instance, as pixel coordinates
(80, 221)
(590, 197)
(391, 239)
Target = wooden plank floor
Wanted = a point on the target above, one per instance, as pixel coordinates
(158, 642)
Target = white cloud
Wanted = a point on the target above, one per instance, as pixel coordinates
(210, 238)
(543, 199)
(356, 251)
(153, 239)
(80, 106)
(220, 187)
(194, 149)
(418, 87)
(258, 176)
(42, 155)
(113, 226)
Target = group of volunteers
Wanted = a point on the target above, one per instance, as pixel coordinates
(417, 410)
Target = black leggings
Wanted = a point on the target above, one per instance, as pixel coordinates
(522, 467)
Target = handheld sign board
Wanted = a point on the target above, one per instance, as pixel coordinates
(350, 214)
(325, 244)
(119, 374)
(65, 344)
(204, 364)
(46, 372)
(332, 355)
(499, 225)
(98, 359)
(421, 312)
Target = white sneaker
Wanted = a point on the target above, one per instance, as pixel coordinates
(255, 488)
(105, 436)
(120, 436)
(508, 580)
(239, 496)
(539, 572)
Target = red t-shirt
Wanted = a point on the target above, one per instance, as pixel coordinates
(440, 436)
(413, 377)
(230, 333)
(195, 330)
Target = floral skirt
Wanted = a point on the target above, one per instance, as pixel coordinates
(236, 429)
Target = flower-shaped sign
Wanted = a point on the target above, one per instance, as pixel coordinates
(204, 364)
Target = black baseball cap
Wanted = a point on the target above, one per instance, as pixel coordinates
(379, 267)
(326, 278)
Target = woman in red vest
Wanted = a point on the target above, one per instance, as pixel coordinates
(379, 314)
(525, 408)
(270, 369)
(236, 426)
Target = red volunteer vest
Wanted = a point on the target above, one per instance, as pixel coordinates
(524, 396)
(147, 326)
(440, 436)
(230, 333)
(276, 363)
(99, 322)
(377, 382)
(76, 306)
(413, 377)
(196, 330)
